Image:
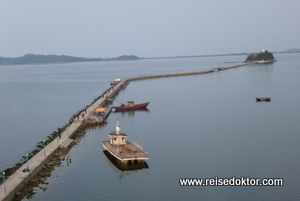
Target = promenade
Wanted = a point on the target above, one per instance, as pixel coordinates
(16, 182)
(188, 73)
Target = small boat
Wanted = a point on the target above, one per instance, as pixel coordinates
(115, 82)
(131, 106)
(263, 99)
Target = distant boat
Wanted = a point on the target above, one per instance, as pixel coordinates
(115, 82)
(131, 106)
(263, 99)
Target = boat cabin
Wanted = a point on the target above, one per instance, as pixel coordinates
(130, 103)
(117, 138)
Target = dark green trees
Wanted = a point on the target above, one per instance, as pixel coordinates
(262, 56)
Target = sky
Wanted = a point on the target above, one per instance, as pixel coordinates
(156, 28)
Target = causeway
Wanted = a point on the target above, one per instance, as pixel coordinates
(17, 181)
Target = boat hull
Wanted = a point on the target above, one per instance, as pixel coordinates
(263, 99)
(132, 166)
(133, 107)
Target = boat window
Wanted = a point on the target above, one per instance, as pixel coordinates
(114, 138)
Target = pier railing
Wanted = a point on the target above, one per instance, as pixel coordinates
(137, 145)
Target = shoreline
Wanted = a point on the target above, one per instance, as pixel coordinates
(140, 58)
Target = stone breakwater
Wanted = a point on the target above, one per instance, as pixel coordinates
(14, 184)
(186, 74)
(18, 180)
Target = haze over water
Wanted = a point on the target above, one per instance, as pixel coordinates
(197, 127)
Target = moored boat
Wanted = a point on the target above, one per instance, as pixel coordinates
(115, 82)
(131, 106)
(263, 99)
(123, 150)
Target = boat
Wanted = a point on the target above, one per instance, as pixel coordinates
(131, 106)
(123, 150)
(263, 99)
(115, 82)
(124, 168)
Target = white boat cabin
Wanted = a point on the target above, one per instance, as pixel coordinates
(117, 138)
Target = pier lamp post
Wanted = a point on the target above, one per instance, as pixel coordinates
(57, 137)
(27, 162)
(67, 128)
(3, 173)
(82, 113)
(44, 147)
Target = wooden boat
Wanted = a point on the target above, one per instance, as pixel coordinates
(131, 106)
(263, 99)
(123, 150)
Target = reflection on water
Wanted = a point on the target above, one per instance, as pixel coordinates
(125, 168)
(131, 112)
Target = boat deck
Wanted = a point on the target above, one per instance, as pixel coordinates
(125, 152)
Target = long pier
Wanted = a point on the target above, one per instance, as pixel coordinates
(14, 184)
(186, 74)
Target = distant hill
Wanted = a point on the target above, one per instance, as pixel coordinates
(293, 50)
(47, 59)
(126, 57)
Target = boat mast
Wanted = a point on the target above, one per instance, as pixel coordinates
(118, 128)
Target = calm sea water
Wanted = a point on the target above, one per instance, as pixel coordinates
(36, 99)
(197, 127)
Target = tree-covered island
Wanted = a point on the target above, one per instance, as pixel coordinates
(263, 57)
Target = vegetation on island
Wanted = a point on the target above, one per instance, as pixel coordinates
(262, 56)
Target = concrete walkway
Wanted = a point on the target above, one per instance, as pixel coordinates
(19, 179)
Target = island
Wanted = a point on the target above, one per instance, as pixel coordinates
(48, 59)
(292, 50)
(263, 57)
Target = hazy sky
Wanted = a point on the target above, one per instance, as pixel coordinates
(110, 28)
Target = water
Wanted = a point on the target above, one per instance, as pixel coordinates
(196, 127)
(37, 99)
